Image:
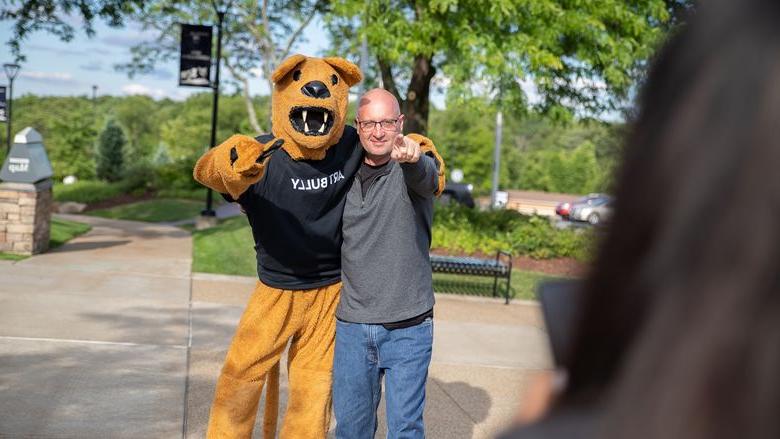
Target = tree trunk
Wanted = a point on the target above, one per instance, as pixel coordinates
(416, 105)
(250, 108)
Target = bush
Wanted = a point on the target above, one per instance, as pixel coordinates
(461, 230)
(109, 154)
(139, 178)
(86, 191)
(177, 175)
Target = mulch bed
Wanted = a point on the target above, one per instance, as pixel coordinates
(569, 267)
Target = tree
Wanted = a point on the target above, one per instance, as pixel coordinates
(257, 36)
(138, 117)
(580, 56)
(55, 17)
(110, 154)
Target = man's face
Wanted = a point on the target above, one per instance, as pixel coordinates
(378, 124)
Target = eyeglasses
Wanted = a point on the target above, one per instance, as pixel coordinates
(369, 125)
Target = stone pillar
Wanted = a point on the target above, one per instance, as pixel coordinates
(25, 217)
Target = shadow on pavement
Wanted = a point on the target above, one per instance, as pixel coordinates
(81, 246)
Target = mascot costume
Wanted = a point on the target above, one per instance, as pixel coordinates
(292, 185)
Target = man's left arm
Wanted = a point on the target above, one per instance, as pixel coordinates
(422, 165)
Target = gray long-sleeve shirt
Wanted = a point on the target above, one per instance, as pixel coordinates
(385, 264)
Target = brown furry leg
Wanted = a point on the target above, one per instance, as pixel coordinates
(271, 318)
(310, 363)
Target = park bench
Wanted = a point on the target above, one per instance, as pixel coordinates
(498, 268)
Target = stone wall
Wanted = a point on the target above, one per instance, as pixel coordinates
(25, 217)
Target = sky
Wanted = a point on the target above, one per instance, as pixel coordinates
(54, 67)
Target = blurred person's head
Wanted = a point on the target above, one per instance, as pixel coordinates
(681, 320)
(379, 121)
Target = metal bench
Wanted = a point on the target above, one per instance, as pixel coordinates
(495, 268)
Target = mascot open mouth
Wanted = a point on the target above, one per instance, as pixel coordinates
(311, 121)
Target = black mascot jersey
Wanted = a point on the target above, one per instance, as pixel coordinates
(295, 214)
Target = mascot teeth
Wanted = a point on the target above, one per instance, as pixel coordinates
(311, 121)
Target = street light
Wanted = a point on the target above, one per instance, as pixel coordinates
(209, 211)
(11, 70)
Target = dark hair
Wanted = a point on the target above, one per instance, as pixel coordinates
(681, 317)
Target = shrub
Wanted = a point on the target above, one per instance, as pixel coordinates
(462, 230)
(109, 153)
(177, 175)
(139, 178)
(86, 191)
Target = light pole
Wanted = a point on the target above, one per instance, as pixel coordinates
(496, 158)
(11, 70)
(209, 211)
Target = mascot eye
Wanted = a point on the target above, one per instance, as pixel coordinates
(334, 79)
(296, 75)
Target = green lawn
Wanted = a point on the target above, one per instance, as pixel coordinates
(61, 232)
(156, 210)
(523, 285)
(228, 249)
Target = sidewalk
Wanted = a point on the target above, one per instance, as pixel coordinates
(112, 336)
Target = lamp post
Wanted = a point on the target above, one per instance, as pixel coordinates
(208, 214)
(11, 70)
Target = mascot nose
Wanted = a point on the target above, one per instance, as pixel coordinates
(316, 89)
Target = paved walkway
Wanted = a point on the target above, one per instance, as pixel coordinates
(111, 336)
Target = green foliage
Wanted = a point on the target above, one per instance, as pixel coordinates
(536, 154)
(186, 128)
(139, 178)
(87, 192)
(110, 154)
(583, 57)
(458, 229)
(138, 117)
(67, 125)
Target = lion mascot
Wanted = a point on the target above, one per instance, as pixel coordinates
(292, 184)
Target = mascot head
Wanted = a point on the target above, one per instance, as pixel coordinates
(309, 102)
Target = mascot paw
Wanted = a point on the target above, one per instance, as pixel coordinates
(247, 155)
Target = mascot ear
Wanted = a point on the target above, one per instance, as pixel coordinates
(285, 67)
(348, 71)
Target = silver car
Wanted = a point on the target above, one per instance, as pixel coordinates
(594, 210)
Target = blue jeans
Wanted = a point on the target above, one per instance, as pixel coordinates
(364, 354)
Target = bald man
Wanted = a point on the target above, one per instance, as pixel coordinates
(384, 324)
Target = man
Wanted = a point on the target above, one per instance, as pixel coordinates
(385, 316)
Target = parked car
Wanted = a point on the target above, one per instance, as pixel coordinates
(593, 210)
(457, 192)
(563, 209)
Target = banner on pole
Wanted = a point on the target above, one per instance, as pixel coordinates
(3, 105)
(195, 56)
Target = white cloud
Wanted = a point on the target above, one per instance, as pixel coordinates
(140, 89)
(156, 93)
(59, 77)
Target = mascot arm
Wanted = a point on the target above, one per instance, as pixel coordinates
(429, 149)
(234, 165)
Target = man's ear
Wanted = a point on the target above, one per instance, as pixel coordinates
(349, 72)
(285, 67)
